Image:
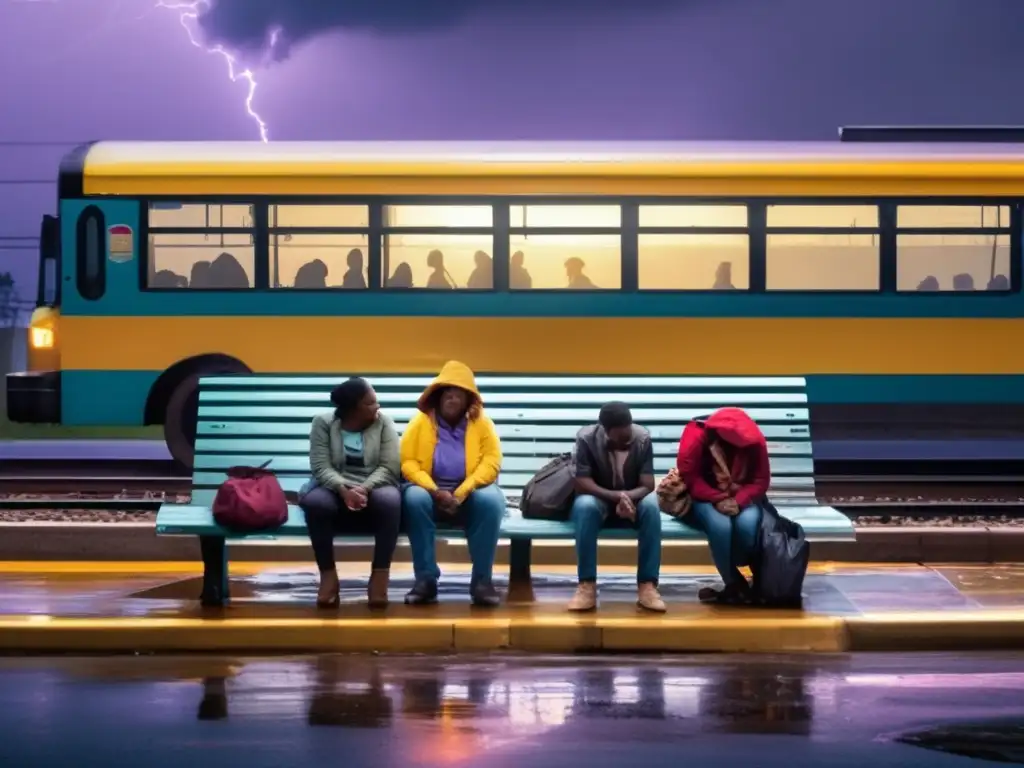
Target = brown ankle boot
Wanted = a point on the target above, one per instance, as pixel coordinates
(329, 593)
(377, 588)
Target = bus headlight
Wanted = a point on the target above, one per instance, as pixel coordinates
(41, 338)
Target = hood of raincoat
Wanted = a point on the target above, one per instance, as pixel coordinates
(735, 427)
(453, 374)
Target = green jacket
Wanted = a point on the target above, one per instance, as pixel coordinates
(327, 454)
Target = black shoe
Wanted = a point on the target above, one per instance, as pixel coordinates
(735, 593)
(422, 593)
(484, 595)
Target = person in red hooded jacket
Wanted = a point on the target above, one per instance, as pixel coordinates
(726, 498)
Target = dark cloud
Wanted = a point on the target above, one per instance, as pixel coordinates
(247, 25)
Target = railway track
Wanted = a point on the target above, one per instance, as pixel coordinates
(144, 485)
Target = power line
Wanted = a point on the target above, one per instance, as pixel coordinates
(19, 238)
(25, 182)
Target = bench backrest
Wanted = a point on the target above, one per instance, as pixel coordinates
(245, 420)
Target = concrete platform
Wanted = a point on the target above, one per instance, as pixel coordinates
(150, 607)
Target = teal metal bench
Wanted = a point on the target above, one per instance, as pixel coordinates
(246, 420)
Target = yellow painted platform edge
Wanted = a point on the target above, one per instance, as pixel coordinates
(768, 634)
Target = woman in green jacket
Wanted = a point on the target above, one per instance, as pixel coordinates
(353, 453)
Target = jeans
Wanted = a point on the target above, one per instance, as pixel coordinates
(590, 514)
(480, 514)
(326, 516)
(732, 540)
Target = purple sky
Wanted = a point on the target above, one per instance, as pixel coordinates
(74, 70)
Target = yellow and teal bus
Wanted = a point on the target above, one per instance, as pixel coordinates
(885, 273)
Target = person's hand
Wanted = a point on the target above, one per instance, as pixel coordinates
(625, 508)
(354, 498)
(728, 507)
(446, 502)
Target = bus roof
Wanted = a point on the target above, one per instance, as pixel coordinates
(580, 168)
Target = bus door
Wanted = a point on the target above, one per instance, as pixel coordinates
(100, 256)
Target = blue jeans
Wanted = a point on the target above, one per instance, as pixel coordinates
(481, 514)
(732, 540)
(590, 514)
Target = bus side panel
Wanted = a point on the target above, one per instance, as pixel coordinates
(91, 392)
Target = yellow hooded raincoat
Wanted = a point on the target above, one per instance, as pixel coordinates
(483, 449)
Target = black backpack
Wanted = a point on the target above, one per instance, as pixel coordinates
(780, 564)
(549, 494)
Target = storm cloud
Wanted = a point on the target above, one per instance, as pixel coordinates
(249, 25)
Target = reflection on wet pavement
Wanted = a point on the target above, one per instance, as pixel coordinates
(290, 590)
(510, 710)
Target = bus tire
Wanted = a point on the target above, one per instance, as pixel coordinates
(180, 421)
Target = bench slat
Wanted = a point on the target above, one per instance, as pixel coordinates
(299, 428)
(544, 383)
(300, 463)
(526, 447)
(819, 523)
(578, 417)
(527, 399)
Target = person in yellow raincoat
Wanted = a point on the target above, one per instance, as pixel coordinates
(451, 456)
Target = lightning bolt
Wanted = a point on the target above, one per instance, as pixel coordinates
(188, 16)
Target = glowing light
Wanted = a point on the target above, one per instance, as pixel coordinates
(188, 15)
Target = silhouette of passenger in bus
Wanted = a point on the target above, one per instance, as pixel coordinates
(312, 275)
(574, 271)
(226, 272)
(199, 277)
(438, 275)
(165, 278)
(401, 277)
(723, 277)
(482, 276)
(963, 282)
(930, 283)
(518, 277)
(354, 274)
(998, 283)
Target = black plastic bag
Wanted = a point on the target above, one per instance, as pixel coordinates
(780, 564)
(550, 493)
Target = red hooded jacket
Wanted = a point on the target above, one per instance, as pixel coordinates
(750, 468)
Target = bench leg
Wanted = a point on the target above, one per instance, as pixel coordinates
(520, 581)
(215, 571)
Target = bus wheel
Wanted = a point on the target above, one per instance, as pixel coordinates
(180, 421)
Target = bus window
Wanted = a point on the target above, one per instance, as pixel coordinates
(694, 262)
(565, 247)
(48, 285)
(439, 247)
(90, 254)
(953, 248)
(207, 246)
(844, 255)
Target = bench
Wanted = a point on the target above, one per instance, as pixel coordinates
(246, 420)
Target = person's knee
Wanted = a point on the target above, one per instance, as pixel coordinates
(417, 502)
(748, 521)
(487, 504)
(386, 501)
(320, 502)
(587, 507)
(648, 514)
(715, 524)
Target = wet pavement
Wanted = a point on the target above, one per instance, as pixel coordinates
(166, 590)
(500, 710)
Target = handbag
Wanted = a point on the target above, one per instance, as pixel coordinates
(251, 499)
(673, 495)
(550, 492)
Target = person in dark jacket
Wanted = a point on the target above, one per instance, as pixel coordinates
(614, 486)
(724, 463)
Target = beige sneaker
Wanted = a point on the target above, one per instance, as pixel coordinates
(585, 598)
(647, 597)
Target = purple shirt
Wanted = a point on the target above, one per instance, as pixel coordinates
(450, 455)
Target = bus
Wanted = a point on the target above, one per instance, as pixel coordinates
(884, 273)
